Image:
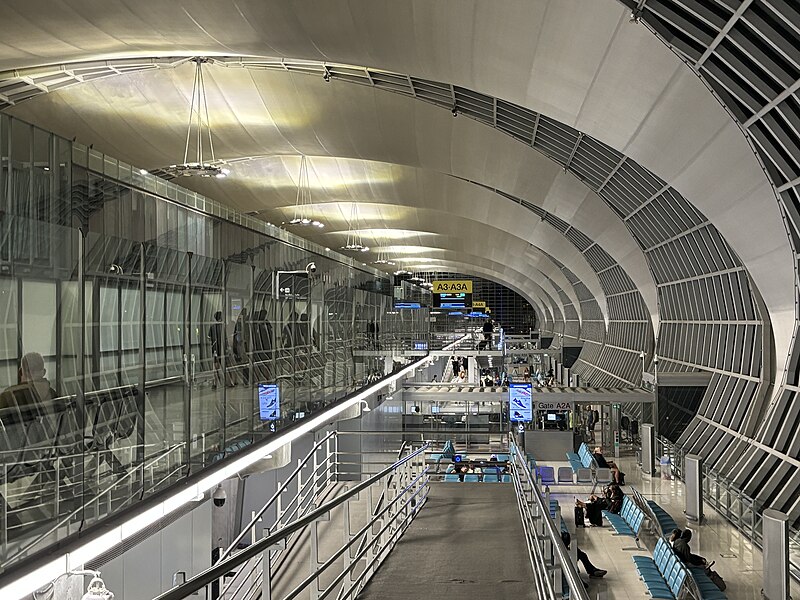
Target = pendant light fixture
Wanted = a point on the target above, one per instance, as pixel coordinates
(198, 153)
(354, 242)
(302, 203)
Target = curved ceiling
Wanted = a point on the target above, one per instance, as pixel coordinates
(567, 62)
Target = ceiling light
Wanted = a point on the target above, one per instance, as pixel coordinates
(143, 172)
(302, 203)
(199, 131)
(354, 242)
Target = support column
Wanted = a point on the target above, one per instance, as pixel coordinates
(775, 529)
(693, 477)
(648, 448)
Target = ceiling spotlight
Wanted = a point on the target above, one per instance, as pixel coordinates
(454, 111)
(326, 75)
(636, 16)
(366, 407)
(143, 171)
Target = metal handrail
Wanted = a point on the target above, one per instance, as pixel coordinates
(577, 590)
(114, 485)
(218, 570)
(226, 553)
(363, 548)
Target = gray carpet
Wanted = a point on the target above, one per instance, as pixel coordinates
(466, 543)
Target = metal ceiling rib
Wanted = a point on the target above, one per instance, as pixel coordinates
(747, 52)
(626, 187)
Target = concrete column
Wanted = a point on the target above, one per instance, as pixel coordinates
(775, 530)
(648, 449)
(693, 477)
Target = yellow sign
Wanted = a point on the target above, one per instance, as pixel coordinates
(453, 286)
(478, 304)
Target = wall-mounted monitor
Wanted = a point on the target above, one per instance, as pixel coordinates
(520, 403)
(269, 403)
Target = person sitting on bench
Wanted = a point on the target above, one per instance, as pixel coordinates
(583, 558)
(619, 476)
(448, 452)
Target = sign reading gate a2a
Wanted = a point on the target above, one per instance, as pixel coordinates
(451, 286)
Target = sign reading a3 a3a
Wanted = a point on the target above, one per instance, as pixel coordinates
(452, 286)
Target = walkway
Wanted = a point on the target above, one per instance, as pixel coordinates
(466, 543)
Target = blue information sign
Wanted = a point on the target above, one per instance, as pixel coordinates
(520, 404)
(269, 402)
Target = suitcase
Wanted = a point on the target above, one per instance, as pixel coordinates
(579, 517)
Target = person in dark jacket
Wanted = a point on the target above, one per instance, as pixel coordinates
(681, 547)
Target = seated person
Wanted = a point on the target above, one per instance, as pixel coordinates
(618, 476)
(674, 536)
(448, 452)
(681, 547)
(593, 508)
(614, 498)
(583, 558)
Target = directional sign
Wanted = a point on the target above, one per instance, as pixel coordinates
(452, 285)
(520, 402)
(478, 304)
(269, 403)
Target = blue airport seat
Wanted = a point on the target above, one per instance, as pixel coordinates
(663, 574)
(565, 475)
(584, 476)
(506, 478)
(451, 477)
(547, 475)
(471, 478)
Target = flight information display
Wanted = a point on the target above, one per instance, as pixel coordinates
(269, 403)
(452, 300)
(520, 403)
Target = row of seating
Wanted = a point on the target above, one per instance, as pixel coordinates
(628, 521)
(477, 478)
(662, 521)
(566, 475)
(583, 459)
(665, 575)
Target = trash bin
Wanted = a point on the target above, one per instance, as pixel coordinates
(666, 472)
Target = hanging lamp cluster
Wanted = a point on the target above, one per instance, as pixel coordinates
(198, 153)
(302, 203)
(354, 242)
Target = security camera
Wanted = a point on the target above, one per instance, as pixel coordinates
(219, 496)
(311, 268)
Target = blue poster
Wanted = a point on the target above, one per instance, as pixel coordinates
(269, 402)
(520, 405)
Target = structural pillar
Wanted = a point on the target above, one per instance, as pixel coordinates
(775, 531)
(648, 448)
(693, 476)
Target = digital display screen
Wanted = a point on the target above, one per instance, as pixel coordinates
(269, 404)
(409, 305)
(520, 405)
(552, 417)
(452, 300)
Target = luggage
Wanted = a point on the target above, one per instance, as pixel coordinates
(715, 577)
(579, 517)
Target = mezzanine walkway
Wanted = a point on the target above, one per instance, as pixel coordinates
(466, 543)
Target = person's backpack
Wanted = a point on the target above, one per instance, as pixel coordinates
(715, 577)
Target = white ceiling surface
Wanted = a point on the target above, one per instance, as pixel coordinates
(579, 61)
(258, 113)
(478, 221)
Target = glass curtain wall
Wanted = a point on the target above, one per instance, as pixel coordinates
(136, 333)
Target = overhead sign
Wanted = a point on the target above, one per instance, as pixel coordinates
(452, 300)
(463, 286)
(269, 404)
(478, 304)
(519, 402)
